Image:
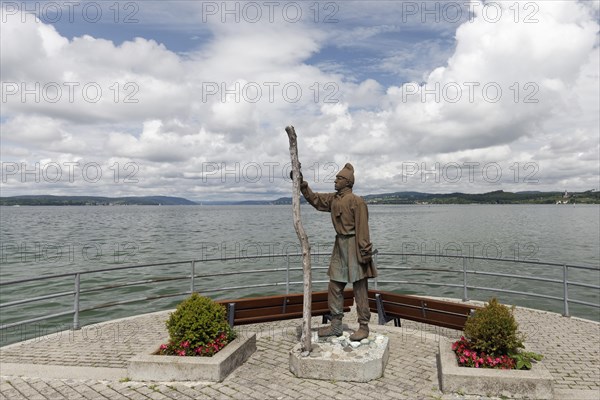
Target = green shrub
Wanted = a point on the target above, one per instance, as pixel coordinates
(197, 327)
(493, 330)
(524, 359)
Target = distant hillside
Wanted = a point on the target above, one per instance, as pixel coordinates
(496, 197)
(47, 200)
(287, 200)
(235, 203)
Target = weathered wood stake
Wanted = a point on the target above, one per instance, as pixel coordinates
(305, 339)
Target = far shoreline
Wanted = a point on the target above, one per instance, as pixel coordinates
(397, 198)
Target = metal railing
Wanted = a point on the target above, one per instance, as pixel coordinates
(193, 276)
(465, 271)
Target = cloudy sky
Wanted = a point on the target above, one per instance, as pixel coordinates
(191, 98)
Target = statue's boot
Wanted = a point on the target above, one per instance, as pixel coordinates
(334, 329)
(361, 333)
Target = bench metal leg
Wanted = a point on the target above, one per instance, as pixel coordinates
(383, 318)
(230, 313)
(380, 310)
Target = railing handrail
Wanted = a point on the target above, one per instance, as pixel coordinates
(135, 266)
(464, 271)
(519, 261)
(282, 255)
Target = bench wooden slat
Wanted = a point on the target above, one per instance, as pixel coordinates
(433, 317)
(320, 306)
(402, 310)
(278, 317)
(448, 321)
(435, 312)
(294, 308)
(428, 305)
(270, 318)
(449, 307)
(272, 301)
(273, 308)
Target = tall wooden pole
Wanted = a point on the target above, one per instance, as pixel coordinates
(305, 339)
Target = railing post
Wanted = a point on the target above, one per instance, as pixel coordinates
(287, 273)
(76, 302)
(192, 288)
(465, 294)
(565, 291)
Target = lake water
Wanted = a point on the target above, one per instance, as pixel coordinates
(42, 241)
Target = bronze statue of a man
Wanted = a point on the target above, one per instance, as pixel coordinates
(351, 260)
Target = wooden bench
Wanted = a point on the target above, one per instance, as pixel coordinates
(392, 306)
(274, 308)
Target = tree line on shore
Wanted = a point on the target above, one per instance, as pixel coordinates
(495, 197)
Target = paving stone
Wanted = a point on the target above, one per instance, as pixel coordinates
(568, 344)
(11, 393)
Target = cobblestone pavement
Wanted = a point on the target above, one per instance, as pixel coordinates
(571, 348)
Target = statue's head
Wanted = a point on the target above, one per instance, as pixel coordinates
(345, 178)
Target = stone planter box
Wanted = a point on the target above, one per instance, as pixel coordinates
(151, 367)
(536, 383)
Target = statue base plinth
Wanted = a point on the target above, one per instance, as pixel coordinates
(339, 359)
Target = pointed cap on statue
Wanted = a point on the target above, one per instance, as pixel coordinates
(347, 172)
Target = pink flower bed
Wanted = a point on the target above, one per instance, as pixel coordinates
(467, 357)
(184, 348)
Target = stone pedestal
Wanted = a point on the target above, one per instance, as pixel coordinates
(339, 359)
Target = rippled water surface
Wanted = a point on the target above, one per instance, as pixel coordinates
(43, 241)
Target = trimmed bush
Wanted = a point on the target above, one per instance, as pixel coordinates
(197, 327)
(493, 330)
